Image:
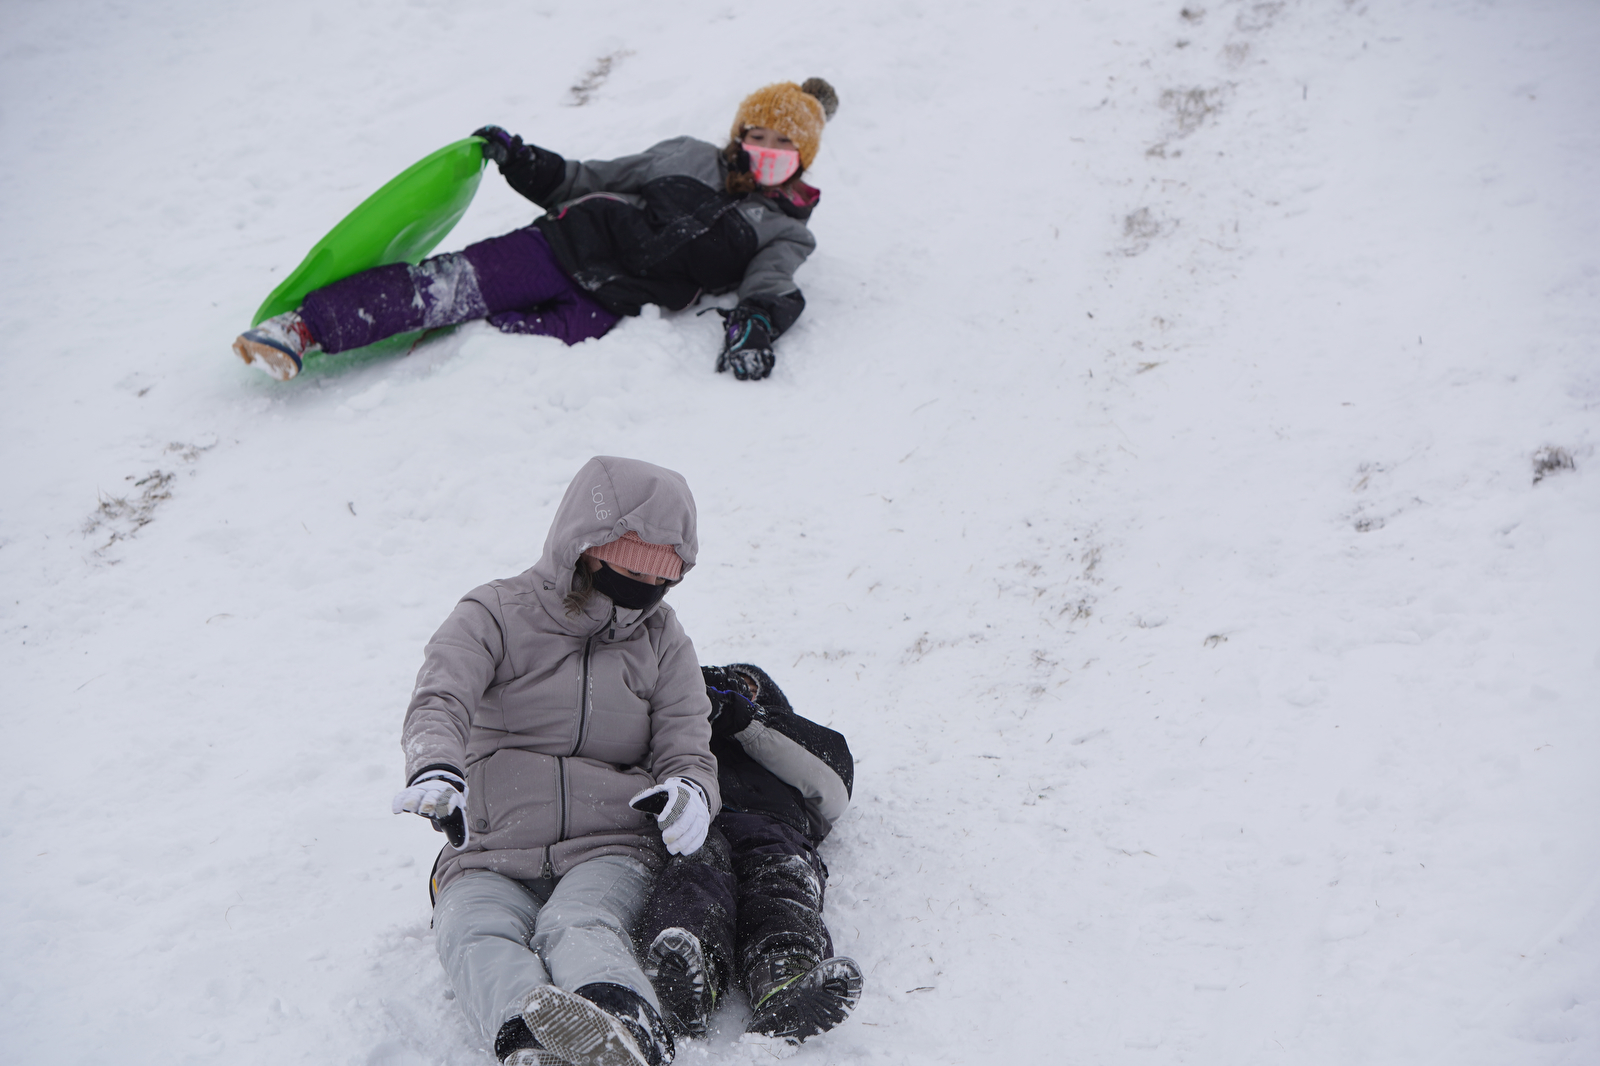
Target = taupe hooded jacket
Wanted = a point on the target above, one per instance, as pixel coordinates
(556, 720)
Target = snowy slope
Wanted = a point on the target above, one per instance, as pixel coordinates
(1148, 493)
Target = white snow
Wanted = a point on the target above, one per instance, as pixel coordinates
(1147, 492)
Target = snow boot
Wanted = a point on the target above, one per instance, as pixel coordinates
(278, 346)
(600, 1024)
(515, 1045)
(531, 1056)
(685, 978)
(793, 999)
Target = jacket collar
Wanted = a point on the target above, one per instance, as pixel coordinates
(598, 617)
(797, 202)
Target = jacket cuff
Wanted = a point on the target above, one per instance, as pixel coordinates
(536, 173)
(700, 789)
(781, 311)
(431, 767)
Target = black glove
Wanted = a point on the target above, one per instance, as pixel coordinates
(498, 145)
(453, 827)
(746, 344)
(731, 705)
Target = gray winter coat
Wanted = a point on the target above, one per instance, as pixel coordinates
(556, 720)
(659, 227)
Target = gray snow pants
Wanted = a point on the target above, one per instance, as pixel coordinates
(499, 938)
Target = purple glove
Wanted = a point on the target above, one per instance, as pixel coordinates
(498, 145)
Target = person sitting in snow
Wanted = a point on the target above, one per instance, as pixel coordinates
(747, 905)
(663, 227)
(550, 707)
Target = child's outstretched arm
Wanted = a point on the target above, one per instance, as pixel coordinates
(549, 179)
(534, 172)
(769, 303)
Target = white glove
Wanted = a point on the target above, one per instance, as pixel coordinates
(440, 796)
(681, 812)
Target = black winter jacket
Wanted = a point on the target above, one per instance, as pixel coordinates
(660, 228)
(772, 761)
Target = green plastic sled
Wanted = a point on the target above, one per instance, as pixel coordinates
(400, 223)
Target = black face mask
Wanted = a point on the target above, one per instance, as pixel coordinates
(624, 591)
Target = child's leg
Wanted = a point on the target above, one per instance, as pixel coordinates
(510, 273)
(482, 922)
(797, 987)
(696, 893)
(388, 300)
(781, 882)
(572, 319)
(526, 290)
(542, 300)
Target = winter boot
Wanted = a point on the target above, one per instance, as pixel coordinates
(791, 999)
(278, 346)
(533, 1056)
(600, 1024)
(515, 1045)
(685, 978)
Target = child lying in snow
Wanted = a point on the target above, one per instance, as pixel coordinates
(748, 903)
(680, 219)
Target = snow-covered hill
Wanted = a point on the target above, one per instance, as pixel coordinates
(1149, 492)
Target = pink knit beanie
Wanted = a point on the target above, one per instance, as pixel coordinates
(632, 553)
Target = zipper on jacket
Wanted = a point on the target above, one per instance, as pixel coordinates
(561, 761)
(561, 770)
(583, 696)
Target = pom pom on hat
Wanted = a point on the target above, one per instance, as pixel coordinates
(824, 93)
(633, 553)
(797, 111)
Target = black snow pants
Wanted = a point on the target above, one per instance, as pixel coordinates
(753, 889)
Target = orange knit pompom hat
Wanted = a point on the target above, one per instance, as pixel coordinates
(797, 111)
(636, 554)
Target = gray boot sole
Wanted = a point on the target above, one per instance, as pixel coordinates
(578, 1031)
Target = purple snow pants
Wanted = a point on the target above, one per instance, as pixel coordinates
(753, 889)
(514, 281)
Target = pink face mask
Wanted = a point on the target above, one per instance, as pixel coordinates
(772, 166)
